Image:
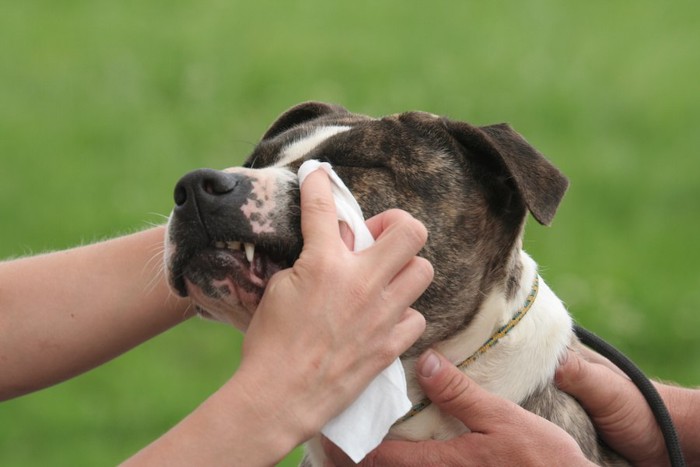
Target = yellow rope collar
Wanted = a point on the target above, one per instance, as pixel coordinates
(490, 342)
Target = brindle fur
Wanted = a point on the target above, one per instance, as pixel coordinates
(471, 186)
(453, 177)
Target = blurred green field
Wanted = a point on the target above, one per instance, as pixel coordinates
(104, 105)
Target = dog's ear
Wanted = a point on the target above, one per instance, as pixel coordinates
(299, 114)
(539, 183)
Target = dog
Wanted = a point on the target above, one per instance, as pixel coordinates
(472, 187)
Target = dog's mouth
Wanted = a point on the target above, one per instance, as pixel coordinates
(253, 269)
(230, 273)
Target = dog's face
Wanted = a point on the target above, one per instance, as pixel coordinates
(472, 187)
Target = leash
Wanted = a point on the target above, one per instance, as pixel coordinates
(651, 395)
(490, 342)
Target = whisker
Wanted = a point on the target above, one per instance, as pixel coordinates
(252, 163)
(155, 266)
(188, 309)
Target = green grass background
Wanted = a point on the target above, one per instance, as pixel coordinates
(104, 105)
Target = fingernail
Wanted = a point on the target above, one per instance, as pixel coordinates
(429, 364)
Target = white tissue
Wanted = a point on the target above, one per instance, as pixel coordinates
(362, 426)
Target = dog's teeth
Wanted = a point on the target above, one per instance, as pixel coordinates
(233, 246)
(249, 251)
(220, 245)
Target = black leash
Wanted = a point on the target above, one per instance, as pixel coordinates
(663, 418)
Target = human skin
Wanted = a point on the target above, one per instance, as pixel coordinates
(621, 414)
(504, 433)
(66, 312)
(336, 319)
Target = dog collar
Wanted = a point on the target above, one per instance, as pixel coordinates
(490, 342)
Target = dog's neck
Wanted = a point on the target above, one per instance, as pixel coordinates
(525, 359)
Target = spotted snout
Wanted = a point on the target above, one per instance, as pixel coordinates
(229, 232)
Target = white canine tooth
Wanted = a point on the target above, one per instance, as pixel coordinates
(219, 245)
(234, 246)
(249, 251)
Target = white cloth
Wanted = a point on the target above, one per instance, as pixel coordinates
(363, 425)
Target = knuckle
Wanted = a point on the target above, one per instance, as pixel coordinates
(318, 265)
(454, 394)
(454, 389)
(319, 204)
(414, 231)
(413, 228)
(414, 327)
(389, 352)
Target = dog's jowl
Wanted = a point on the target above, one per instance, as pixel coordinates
(471, 186)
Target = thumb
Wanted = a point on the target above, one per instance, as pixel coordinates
(582, 379)
(574, 375)
(597, 388)
(319, 221)
(457, 394)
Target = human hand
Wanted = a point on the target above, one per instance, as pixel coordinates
(335, 319)
(501, 431)
(618, 410)
(322, 331)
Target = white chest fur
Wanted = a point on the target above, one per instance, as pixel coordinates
(522, 361)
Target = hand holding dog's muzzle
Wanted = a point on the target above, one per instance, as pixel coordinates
(349, 312)
(362, 425)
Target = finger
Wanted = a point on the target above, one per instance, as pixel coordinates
(458, 395)
(594, 357)
(407, 331)
(319, 220)
(582, 379)
(402, 238)
(410, 283)
(378, 223)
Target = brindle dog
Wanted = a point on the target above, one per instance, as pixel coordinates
(471, 186)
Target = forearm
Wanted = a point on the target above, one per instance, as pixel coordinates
(66, 312)
(237, 425)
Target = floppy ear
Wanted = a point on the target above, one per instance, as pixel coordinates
(539, 183)
(299, 114)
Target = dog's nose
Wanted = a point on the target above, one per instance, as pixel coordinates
(207, 191)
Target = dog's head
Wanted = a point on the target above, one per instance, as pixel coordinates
(471, 186)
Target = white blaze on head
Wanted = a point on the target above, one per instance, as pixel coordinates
(301, 147)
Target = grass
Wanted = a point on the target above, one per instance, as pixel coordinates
(104, 105)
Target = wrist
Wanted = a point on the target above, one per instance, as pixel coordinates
(261, 406)
(232, 427)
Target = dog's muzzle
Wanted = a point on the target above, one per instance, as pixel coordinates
(216, 249)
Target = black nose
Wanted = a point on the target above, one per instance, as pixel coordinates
(207, 191)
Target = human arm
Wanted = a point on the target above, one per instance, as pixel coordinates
(66, 312)
(322, 331)
(502, 433)
(622, 415)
